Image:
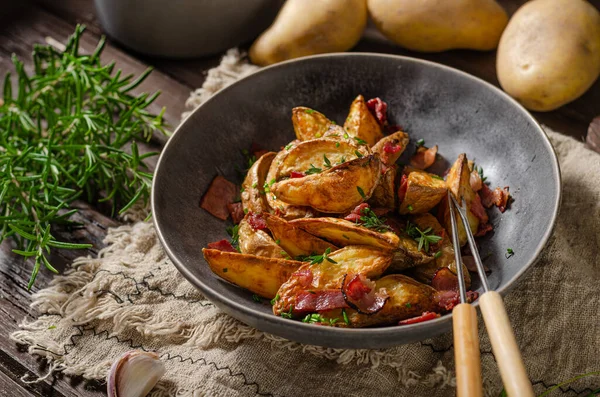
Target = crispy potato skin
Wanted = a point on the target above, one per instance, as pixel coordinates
(334, 190)
(252, 199)
(407, 255)
(309, 124)
(258, 242)
(287, 211)
(368, 261)
(458, 182)
(360, 123)
(294, 240)
(313, 152)
(262, 276)
(426, 272)
(384, 194)
(398, 138)
(343, 233)
(423, 193)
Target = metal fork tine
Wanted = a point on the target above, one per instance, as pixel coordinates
(457, 257)
(462, 212)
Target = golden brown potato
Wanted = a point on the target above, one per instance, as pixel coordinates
(321, 153)
(343, 233)
(458, 181)
(294, 240)
(309, 124)
(361, 124)
(262, 276)
(407, 298)
(367, 261)
(424, 191)
(408, 255)
(258, 242)
(336, 190)
(391, 147)
(285, 210)
(252, 198)
(426, 272)
(385, 191)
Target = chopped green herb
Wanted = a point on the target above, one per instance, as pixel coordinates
(309, 111)
(333, 122)
(337, 144)
(370, 220)
(224, 270)
(346, 237)
(314, 259)
(409, 207)
(313, 170)
(346, 136)
(284, 254)
(288, 314)
(313, 318)
(267, 185)
(242, 190)
(421, 142)
(327, 162)
(233, 232)
(277, 241)
(256, 298)
(360, 141)
(288, 147)
(424, 238)
(245, 210)
(52, 327)
(255, 185)
(480, 172)
(274, 300)
(509, 253)
(318, 135)
(345, 316)
(408, 305)
(361, 192)
(434, 176)
(437, 254)
(358, 154)
(342, 160)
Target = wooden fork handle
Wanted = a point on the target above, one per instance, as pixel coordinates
(466, 351)
(507, 353)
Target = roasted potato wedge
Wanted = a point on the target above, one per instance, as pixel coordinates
(252, 198)
(258, 242)
(360, 123)
(426, 272)
(424, 191)
(458, 181)
(367, 261)
(343, 233)
(407, 298)
(408, 255)
(321, 153)
(262, 276)
(309, 124)
(385, 191)
(294, 240)
(285, 210)
(391, 147)
(336, 190)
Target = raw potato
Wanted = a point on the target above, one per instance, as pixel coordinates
(439, 25)
(302, 29)
(549, 53)
(398, 138)
(424, 191)
(252, 198)
(407, 298)
(335, 190)
(384, 195)
(262, 276)
(361, 124)
(458, 181)
(294, 240)
(313, 153)
(367, 261)
(258, 242)
(285, 210)
(426, 272)
(342, 233)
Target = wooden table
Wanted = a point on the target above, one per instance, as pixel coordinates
(25, 24)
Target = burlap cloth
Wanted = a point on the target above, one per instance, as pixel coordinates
(131, 297)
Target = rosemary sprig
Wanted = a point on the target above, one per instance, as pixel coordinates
(64, 132)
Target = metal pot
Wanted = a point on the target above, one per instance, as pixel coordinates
(185, 28)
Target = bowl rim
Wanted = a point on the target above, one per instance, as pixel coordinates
(440, 323)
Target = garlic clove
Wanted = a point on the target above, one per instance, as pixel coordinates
(134, 374)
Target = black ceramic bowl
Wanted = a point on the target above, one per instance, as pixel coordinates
(444, 106)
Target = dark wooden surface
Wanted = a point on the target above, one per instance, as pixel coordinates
(24, 23)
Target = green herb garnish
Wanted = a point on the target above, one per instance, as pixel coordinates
(255, 298)
(358, 154)
(314, 259)
(313, 170)
(346, 136)
(224, 270)
(370, 220)
(424, 238)
(434, 176)
(309, 111)
(68, 132)
(437, 254)
(289, 313)
(267, 185)
(289, 146)
(408, 305)
(360, 141)
(342, 160)
(480, 172)
(509, 253)
(420, 142)
(409, 207)
(233, 232)
(345, 316)
(327, 162)
(274, 300)
(337, 144)
(361, 192)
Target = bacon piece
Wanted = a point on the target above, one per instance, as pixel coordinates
(483, 229)
(390, 147)
(446, 300)
(236, 210)
(498, 197)
(378, 109)
(445, 280)
(356, 213)
(304, 277)
(222, 245)
(487, 196)
(359, 293)
(256, 221)
(424, 157)
(296, 174)
(403, 187)
(426, 316)
(478, 210)
(319, 300)
(475, 181)
(502, 201)
(220, 193)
